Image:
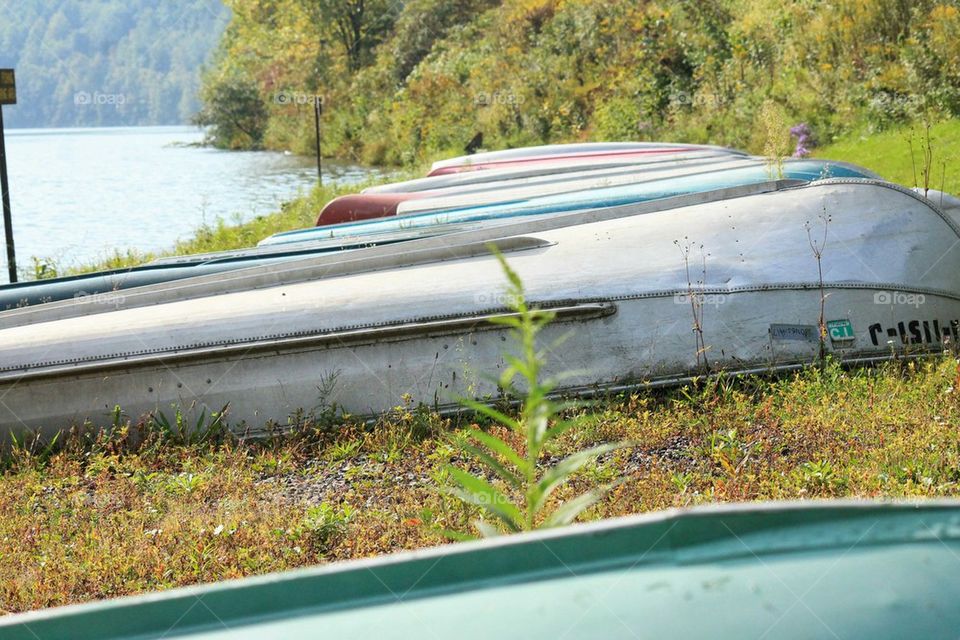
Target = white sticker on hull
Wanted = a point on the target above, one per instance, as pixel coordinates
(793, 332)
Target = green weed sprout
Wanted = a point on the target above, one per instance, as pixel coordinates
(537, 424)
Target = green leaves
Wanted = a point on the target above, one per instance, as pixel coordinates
(559, 473)
(569, 510)
(481, 493)
(519, 469)
(179, 430)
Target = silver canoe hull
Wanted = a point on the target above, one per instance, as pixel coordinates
(539, 173)
(573, 150)
(371, 339)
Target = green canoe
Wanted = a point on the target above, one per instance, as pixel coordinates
(811, 570)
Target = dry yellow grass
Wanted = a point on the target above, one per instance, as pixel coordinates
(103, 517)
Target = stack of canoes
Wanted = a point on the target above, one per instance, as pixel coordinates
(106, 284)
(458, 197)
(662, 261)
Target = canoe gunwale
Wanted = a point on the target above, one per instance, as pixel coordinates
(419, 328)
(599, 390)
(581, 309)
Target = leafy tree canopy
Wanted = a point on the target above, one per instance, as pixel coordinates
(407, 81)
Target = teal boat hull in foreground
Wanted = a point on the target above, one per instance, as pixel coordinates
(800, 570)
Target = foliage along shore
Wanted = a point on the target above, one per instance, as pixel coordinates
(406, 82)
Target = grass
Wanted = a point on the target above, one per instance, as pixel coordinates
(888, 153)
(103, 517)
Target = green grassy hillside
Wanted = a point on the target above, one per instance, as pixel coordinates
(889, 154)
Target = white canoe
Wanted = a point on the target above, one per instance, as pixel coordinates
(572, 150)
(516, 190)
(378, 258)
(548, 171)
(383, 325)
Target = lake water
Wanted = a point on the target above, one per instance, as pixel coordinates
(78, 194)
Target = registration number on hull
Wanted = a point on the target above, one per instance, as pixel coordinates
(915, 332)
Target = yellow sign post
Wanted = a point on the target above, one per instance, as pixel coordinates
(8, 95)
(8, 87)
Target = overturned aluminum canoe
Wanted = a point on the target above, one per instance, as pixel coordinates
(479, 178)
(579, 184)
(383, 323)
(790, 570)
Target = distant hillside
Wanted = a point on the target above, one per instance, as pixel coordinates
(107, 62)
(406, 81)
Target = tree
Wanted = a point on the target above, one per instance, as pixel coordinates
(234, 111)
(425, 22)
(77, 61)
(358, 25)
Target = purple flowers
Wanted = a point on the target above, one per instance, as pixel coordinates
(804, 139)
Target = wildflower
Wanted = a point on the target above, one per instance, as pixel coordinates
(804, 139)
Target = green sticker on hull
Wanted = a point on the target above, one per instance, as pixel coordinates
(840, 331)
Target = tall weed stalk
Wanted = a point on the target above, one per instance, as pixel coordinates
(538, 424)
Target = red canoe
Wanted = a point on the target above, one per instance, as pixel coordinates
(356, 207)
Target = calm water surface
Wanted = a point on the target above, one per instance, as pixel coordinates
(78, 194)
